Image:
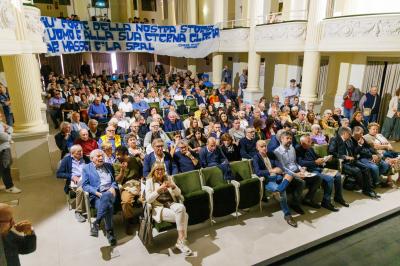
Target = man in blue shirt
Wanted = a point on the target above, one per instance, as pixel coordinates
(54, 108)
(172, 123)
(185, 160)
(98, 110)
(140, 105)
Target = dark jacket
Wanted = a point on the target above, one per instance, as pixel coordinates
(306, 158)
(339, 149)
(208, 159)
(247, 147)
(233, 154)
(365, 151)
(64, 144)
(150, 159)
(65, 170)
(15, 244)
(184, 163)
(260, 168)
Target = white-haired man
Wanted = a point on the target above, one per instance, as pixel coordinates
(99, 182)
(70, 169)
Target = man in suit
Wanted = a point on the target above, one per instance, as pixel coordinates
(76, 123)
(99, 182)
(341, 147)
(172, 123)
(70, 169)
(13, 244)
(161, 156)
(276, 181)
(306, 157)
(286, 156)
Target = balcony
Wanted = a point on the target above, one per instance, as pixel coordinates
(365, 33)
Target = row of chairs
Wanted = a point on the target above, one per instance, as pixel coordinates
(206, 194)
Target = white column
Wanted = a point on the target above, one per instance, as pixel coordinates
(30, 133)
(312, 59)
(357, 70)
(217, 58)
(192, 19)
(253, 91)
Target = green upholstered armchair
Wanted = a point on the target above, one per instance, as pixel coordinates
(197, 201)
(249, 188)
(224, 196)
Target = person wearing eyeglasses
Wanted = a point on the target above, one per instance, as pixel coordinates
(98, 110)
(110, 137)
(248, 144)
(163, 195)
(11, 243)
(159, 155)
(155, 132)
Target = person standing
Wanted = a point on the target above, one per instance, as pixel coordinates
(11, 243)
(350, 101)
(369, 105)
(5, 157)
(85, 69)
(391, 126)
(292, 91)
(226, 75)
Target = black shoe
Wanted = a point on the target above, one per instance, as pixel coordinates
(342, 202)
(289, 219)
(297, 209)
(371, 194)
(376, 195)
(111, 238)
(329, 206)
(311, 204)
(94, 231)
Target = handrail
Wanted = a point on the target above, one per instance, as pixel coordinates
(364, 15)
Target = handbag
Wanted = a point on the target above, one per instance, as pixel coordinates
(368, 111)
(146, 227)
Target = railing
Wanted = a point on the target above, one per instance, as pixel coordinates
(277, 17)
(236, 23)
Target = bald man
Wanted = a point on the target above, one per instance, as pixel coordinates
(12, 243)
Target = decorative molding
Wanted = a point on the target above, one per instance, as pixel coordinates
(33, 23)
(282, 31)
(371, 27)
(7, 17)
(234, 40)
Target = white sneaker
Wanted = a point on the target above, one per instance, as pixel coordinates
(182, 246)
(13, 190)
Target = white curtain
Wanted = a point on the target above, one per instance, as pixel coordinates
(322, 78)
(102, 61)
(373, 75)
(390, 85)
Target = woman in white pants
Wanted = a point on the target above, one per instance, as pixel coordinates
(163, 195)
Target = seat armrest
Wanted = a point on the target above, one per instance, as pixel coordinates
(208, 189)
(235, 183)
(258, 177)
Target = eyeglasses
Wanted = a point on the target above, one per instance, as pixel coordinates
(159, 146)
(110, 130)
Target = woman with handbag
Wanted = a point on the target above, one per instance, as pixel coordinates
(163, 195)
(391, 126)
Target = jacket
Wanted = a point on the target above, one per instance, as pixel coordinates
(150, 159)
(64, 144)
(91, 179)
(64, 171)
(15, 244)
(152, 195)
(339, 149)
(260, 168)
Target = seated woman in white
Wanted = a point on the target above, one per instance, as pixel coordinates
(125, 106)
(163, 195)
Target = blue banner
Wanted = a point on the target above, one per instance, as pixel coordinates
(68, 36)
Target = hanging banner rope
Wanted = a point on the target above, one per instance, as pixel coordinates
(68, 36)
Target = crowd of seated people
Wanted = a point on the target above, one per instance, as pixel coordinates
(149, 137)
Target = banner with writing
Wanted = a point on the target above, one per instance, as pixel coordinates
(190, 41)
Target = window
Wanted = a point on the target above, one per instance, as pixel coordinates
(149, 5)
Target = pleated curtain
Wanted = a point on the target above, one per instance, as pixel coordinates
(122, 63)
(102, 61)
(72, 63)
(390, 85)
(53, 61)
(373, 75)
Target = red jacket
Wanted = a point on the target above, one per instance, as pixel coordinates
(87, 146)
